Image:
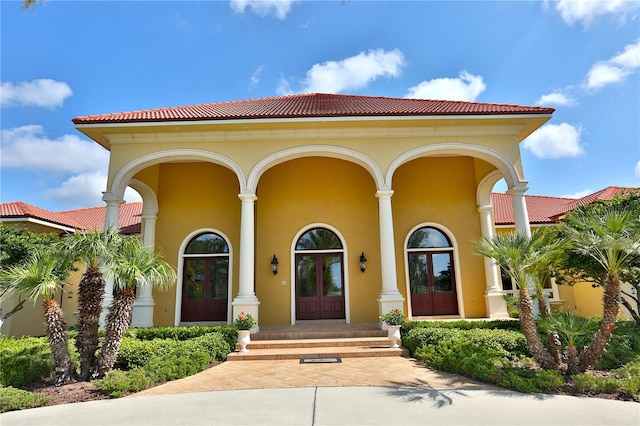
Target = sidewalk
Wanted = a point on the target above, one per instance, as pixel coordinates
(337, 406)
(361, 391)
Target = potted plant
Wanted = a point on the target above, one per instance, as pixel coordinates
(394, 319)
(245, 322)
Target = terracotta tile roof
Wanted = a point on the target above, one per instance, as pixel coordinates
(541, 209)
(18, 209)
(312, 105)
(94, 217)
(80, 219)
(603, 195)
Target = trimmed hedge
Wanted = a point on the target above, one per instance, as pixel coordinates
(24, 360)
(512, 325)
(505, 343)
(12, 399)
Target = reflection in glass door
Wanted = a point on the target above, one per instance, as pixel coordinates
(319, 287)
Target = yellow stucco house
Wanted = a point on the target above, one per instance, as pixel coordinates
(318, 206)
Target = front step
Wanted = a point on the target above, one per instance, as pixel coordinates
(317, 348)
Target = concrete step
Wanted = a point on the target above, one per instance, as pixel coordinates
(297, 334)
(364, 342)
(317, 352)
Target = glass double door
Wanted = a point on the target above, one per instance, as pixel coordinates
(319, 286)
(204, 293)
(433, 288)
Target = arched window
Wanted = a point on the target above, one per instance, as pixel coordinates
(205, 280)
(319, 275)
(432, 278)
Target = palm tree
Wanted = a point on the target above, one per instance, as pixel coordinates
(131, 266)
(572, 329)
(523, 258)
(611, 238)
(91, 248)
(39, 277)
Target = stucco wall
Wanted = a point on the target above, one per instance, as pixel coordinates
(193, 196)
(442, 191)
(298, 193)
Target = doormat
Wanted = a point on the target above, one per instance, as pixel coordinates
(320, 360)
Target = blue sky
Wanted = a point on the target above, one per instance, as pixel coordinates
(66, 59)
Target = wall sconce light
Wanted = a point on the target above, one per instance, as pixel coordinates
(274, 264)
(363, 262)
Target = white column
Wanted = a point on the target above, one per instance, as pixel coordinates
(246, 299)
(495, 303)
(390, 298)
(112, 221)
(520, 214)
(143, 306)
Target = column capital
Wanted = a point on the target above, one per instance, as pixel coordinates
(518, 189)
(485, 209)
(110, 198)
(247, 197)
(384, 193)
(149, 217)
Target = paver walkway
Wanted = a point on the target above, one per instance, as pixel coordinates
(386, 371)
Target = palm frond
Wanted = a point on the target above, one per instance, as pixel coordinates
(135, 264)
(35, 277)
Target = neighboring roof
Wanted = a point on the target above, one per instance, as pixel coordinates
(312, 105)
(94, 217)
(80, 219)
(543, 209)
(603, 195)
(18, 209)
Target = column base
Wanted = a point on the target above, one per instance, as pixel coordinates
(248, 305)
(142, 313)
(496, 306)
(388, 302)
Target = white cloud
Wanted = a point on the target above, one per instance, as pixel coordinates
(255, 77)
(79, 191)
(29, 148)
(614, 70)
(353, 73)
(276, 8)
(556, 98)
(638, 170)
(44, 93)
(284, 87)
(466, 87)
(578, 194)
(555, 141)
(586, 11)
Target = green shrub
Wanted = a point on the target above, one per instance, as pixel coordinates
(548, 380)
(518, 379)
(464, 325)
(179, 363)
(463, 357)
(117, 382)
(214, 344)
(584, 382)
(17, 399)
(623, 347)
(137, 353)
(607, 384)
(176, 333)
(506, 343)
(24, 360)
